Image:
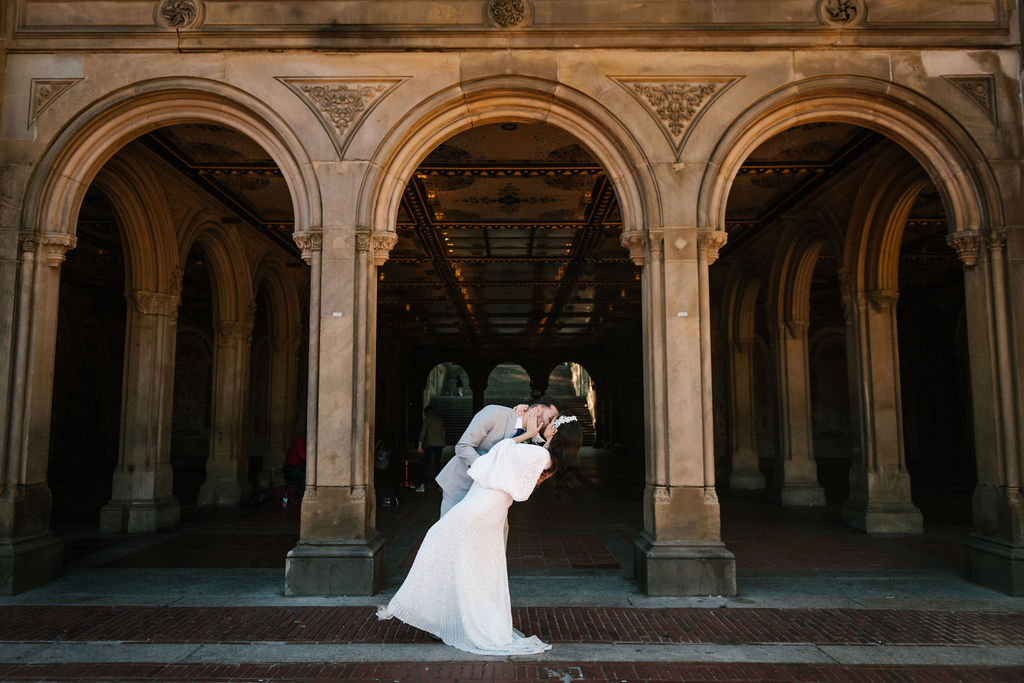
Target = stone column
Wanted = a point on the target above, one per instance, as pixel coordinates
(879, 500)
(797, 479)
(746, 471)
(340, 550)
(994, 552)
(680, 551)
(30, 554)
(142, 499)
(283, 375)
(226, 466)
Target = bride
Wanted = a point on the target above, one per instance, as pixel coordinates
(457, 588)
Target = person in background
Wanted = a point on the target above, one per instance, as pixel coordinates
(294, 469)
(431, 443)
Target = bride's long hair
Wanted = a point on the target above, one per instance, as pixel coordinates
(564, 446)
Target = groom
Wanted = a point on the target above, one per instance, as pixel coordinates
(488, 427)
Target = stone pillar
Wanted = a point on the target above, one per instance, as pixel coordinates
(142, 499)
(994, 553)
(680, 551)
(746, 471)
(340, 550)
(478, 385)
(283, 375)
(797, 478)
(227, 466)
(879, 500)
(30, 554)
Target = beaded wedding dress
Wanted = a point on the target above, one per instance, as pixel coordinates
(457, 588)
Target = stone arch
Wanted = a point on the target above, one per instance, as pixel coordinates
(282, 297)
(229, 271)
(517, 99)
(742, 288)
(144, 222)
(872, 250)
(88, 141)
(789, 286)
(940, 144)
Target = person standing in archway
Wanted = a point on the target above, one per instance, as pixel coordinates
(488, 427)
(431, 443)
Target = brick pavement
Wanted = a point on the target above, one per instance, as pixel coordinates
(588, 625)
(500, 671)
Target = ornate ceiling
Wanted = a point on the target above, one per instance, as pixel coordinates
(509, 233)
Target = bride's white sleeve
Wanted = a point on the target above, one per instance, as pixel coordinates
(511, 467)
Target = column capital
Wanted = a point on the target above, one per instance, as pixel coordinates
(308, 242)
(383, 242)
(153, 303)
(881, 300)
(709, 242)
(995, 239)
(28, 242)
(966, 243)
(636, 242)
(56, 244)
(234, 330)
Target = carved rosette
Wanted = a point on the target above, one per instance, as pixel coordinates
(154, 303)
(966, 244)
(709, 243)
(981, 89)
(675, 103)
(842, 13)
(56, 246)
(340, 103)
(507, 13)
(383, 243)
(636, 242)
(44, 92)
(179, 14)
(308, 242)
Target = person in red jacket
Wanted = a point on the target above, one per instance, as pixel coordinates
(294, 468)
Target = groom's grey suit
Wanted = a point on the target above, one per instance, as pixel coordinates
(488, 427)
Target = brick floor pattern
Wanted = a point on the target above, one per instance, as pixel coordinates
(359, 625)
(501, 671)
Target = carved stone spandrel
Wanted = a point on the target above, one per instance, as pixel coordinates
(675, 103)
(44, 92)
(981, 89)
(341, 104)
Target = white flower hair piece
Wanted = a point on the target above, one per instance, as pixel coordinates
(562, 419)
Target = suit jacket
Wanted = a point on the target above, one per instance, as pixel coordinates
(488, 427)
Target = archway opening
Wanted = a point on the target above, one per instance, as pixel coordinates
(508, 261)
(86, 412)
(848, 234)
(206, 356)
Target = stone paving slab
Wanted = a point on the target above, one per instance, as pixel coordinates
(201, 625)
(626, 672)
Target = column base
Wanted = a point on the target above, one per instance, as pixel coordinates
(884, 518)
(27, 563)
(139, 516)
(799, 495)
(994, 564)
(746, 480)
(335, 568)
(682, 568)
(224, 493)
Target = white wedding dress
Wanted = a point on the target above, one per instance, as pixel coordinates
(457, 588)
